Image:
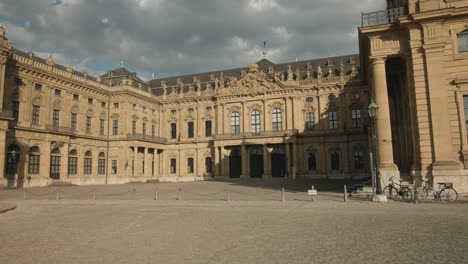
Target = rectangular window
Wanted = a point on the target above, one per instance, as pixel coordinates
(255, 121)
(101, 127)
(103, 104)
(358, 160)
(190, 129)
(173, 166)
(208, 165)
(35, 114)
(143, 129)
(173, 131)
(462, 41)
(76, 97)
(101, 166)
(134, 127)
(465, 103)
(18, 81)
(55, 167)
(153, 130)
(56, 118)
(15, 109)
(310, 120)
(34, 164)
(116, 105)
(90, 100)
(88, 124)
(74, 120)
(115, 127)
(208, 128)
(87, 165)
(114, 166)
(190, 165)
(277, 119)
(356, 118)
(72, 165)
(58, 92)
(38, 87)
(332, 119)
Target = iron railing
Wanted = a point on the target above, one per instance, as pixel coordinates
(279, 133)
(147, 138)
(383, 17)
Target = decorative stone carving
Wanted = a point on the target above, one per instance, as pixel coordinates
(69, 68)
(290, 73)
(50, 61)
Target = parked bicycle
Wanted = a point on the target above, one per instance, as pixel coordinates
(446, 193)
(393, 190)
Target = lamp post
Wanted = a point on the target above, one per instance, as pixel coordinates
(373, 107)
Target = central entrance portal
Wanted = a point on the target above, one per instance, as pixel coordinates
(235, 163)
(256, 163)
(278, 162)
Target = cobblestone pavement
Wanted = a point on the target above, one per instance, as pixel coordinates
(216, 231)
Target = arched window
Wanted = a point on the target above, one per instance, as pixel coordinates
(332, 119)
(55, 161)
(208, 165)
(277, 119)
(235, 122)
(34, 160)
(102, 163)
(190, 165)
(255, 120)
(462, 38)
(12, 159)
(312, 162)
(310, 120)
(190, 130)
(331, 99)
(335, 160)
(72, 162)
(359, 159)
(173, 166)
(173, 130)
(356, 118)
(88, 162)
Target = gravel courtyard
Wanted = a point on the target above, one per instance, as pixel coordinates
(216, 231)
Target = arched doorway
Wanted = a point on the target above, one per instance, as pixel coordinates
(256, 163)
(55, 159)
(278, 162)
(12, 159)
(235, 163)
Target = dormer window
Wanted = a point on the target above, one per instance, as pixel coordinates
(463, 41)
(173, 112)
(116, 105)
(331, 99)
(133, 106)
(309, 99)
(190, 110)
(242, 74)
(271, 70)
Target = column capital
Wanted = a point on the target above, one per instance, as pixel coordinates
(377, 59)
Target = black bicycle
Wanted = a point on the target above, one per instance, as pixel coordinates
(394, 190)
(446, 192)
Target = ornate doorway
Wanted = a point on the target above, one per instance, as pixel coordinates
(278, 162)
(235, 163)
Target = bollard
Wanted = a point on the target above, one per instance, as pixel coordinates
(56, 195)
(228, 198)
(24, 194)
(94, 195)
(345, 194)
(134, 194)
(282, 195)
(312, 197)
(179, 195)
(156, 195)
(415, 199)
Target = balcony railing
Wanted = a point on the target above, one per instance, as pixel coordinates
(383, 17)
(53, 128)
(147, 138)
(280, 133)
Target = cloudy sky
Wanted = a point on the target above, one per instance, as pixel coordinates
(173, 37)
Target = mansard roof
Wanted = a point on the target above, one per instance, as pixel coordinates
(116, 76)
(264, 65)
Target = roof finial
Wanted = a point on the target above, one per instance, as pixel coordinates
(152, 76)
(265, 51)
(121, 63)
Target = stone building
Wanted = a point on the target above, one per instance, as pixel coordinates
(298, 119)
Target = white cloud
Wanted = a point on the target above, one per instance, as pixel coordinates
(194, 39)
(105, 20)
(263, 5)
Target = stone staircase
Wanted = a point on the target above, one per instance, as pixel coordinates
(361, 190)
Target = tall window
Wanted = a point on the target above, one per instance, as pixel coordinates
(255, 121)
(465, 103)
(74, 119)
(173, 130)
(190, 165)
(133, 127)
(462, 41)
(143, 129)
(235, 122)
(114, 166)
(335, 160)
(173, 166)
(15, 109)
(359, 159)
(34, 159)
(277, 118)
(56, 118)
(208, 165)
(356, 118)
(72, 162)
(101, 126)
(88, 162)
(310, 120)
(332, 119)
(208, 128)
(55, 163)
(12, 159)
(115, 127)
(190, 129)
(153, 130)
(36, 111)
(312, 162)
(88, 124)
(102, 163)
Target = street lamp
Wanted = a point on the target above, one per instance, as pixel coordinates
(373, 107)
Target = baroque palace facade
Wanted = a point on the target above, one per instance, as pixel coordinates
(305, 119)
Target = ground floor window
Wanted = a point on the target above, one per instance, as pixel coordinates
(101, 166)
(114, 166)
(359, 160)
(173, 166)
(190, 165)
(88, 162)
(335, 160)
(34, 163)
(312, 162)
(208, 165)
(72, 165)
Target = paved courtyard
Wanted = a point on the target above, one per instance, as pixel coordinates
(216, 231)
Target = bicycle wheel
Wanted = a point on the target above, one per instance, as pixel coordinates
(406, 194)
(448, 195)
(390, 192)
(421, 194)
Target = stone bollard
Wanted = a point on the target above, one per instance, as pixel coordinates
(345, 194)
(24, 194)
(156, 195)
(282, 195)
(179, 195)
(312, 197)
(94, 195)
(56, 195)
(134, 194)
(228, 195)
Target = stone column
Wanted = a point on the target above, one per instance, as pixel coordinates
(243, 119)
(245, 167)
(383, 125)
(64, 162)
(161, 164)
(3, 150)
(3, 61)
(155, 163)
(147, 166)
(135, 158)
(266, 162)
(45, 160)
(288, 161)
(264, 116)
